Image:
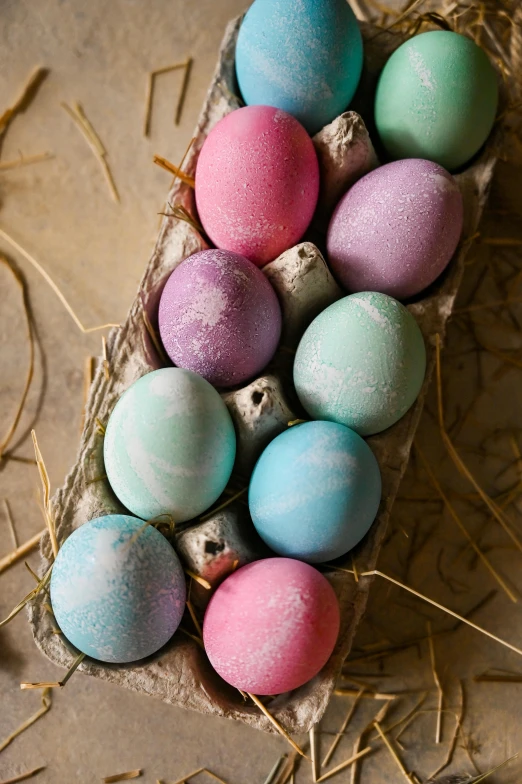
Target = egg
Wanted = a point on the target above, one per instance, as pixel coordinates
(361, 363)
(396, 229)
(220, 317)
(437, 99)
(305, 58)
(271, 626)
(257, 182)
(117, 589)
(315, 491)
(169, 446)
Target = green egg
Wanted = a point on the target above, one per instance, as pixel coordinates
(436, 99)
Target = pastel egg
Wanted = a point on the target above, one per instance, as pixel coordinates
(437, 98)
(396, 229)
(117, 589)
(220, 317)
(257, 183)
(305, 58)
(169, 445)
(271, 626)
(315, 491)
(361, 363)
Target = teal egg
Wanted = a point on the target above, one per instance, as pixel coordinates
(437, 99)
(361, 363)
(170, 445)
(117, 589)
(315, 491)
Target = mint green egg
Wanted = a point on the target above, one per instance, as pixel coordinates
(361, 363)
(170, 445)
(436, 99)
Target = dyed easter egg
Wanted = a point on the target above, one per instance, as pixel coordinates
(305, 58)
(257, 182)
(361, 363)
(315, 491)
(118, 592)
(396, 229)
(271, 626)
(437, 99)
(169, 446)
(220, 317)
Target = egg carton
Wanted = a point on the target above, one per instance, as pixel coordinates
(180, 674)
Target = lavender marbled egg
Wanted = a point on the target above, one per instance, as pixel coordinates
(118, 592)
(396, 229)
(220, 317)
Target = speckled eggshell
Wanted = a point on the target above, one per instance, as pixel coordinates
(114, 598)
(220, 317)
(170, 445)
(304, 57)
(315, 491)
(257, 182)
(437, 99)
(396, 229)
(271, 626)
(361, 363)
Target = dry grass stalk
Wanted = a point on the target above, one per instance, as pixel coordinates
(346, 764)
(342, 729)
(270, 779)
(381, 715)
(10, 521)
(193, 637)
(486, 677)
(489, 566)
(18, 163)
(24, 776)
(288, 769)
(30, 596)
(155, 339)
(372, 695)
(405, 720)
(490, 772)
(393, 753)
(281, 730)
(183, 90)
(106, 368)
(440, 693)
(38, 267)
(56, 684)
(46, 706)
(316, 770)
(21, 551)
(214, 776)
(194, 617)
(88, 375)
(224, 505)
(179, 212)
(130, 774)
(163, 163)
(453, 742)
(93, 140)
(151, 83)
(200, 580)
(46, 487)
(28, 92)
(189, 776)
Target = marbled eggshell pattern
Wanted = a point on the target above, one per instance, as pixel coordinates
(170, 445)
(437, 99)
(271, 626)
(396, 229)
(361, 363)
(114, 598)
(257, 182)
(220, 317)
(315, 491)
(304, 57)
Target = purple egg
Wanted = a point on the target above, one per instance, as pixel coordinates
(220, 317)
(396, 229)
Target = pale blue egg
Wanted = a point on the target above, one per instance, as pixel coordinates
(315, 491)
(170, 445)
(118, 592)
(303, 56)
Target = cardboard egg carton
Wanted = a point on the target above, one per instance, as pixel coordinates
(180, 673)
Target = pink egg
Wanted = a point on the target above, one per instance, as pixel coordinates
(396, 229)
(257, 182)
(271, 626)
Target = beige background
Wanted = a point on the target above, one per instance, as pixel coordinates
(61, 212)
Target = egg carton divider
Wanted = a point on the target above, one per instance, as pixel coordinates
(180, 674)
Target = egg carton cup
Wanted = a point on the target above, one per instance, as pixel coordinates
(180, 674)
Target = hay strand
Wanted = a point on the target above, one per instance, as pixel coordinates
(130, 774)
(155, 339)
(11, 524)
(24, 98)
(18, 163)
(46, 487)
(30, 596)
(346, 764)
(275, 769)
(21, 551)
(281, 730)
(46, 706)
(183, 90)
(436, 679)
(372, 695)
(342, 728)
(106, 367)
(163, 163)
(224, 505)
(56, 684)
(200, 580)
(151, 84)
(24, 776)
(393, 752)
(453, 743)
(316, 770)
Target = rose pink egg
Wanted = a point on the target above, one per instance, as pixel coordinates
(396, 229)
(271, 626)
(257, 182)
(220, 317)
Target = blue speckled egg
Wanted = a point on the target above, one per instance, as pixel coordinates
(117, 593)
(170, 445)
(315, 491)
(304, 57)
(361, 363)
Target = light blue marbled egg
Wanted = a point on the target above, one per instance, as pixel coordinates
(116, 598)
(303, 56)
(315, 491)
(170, 445)
(361, 363)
